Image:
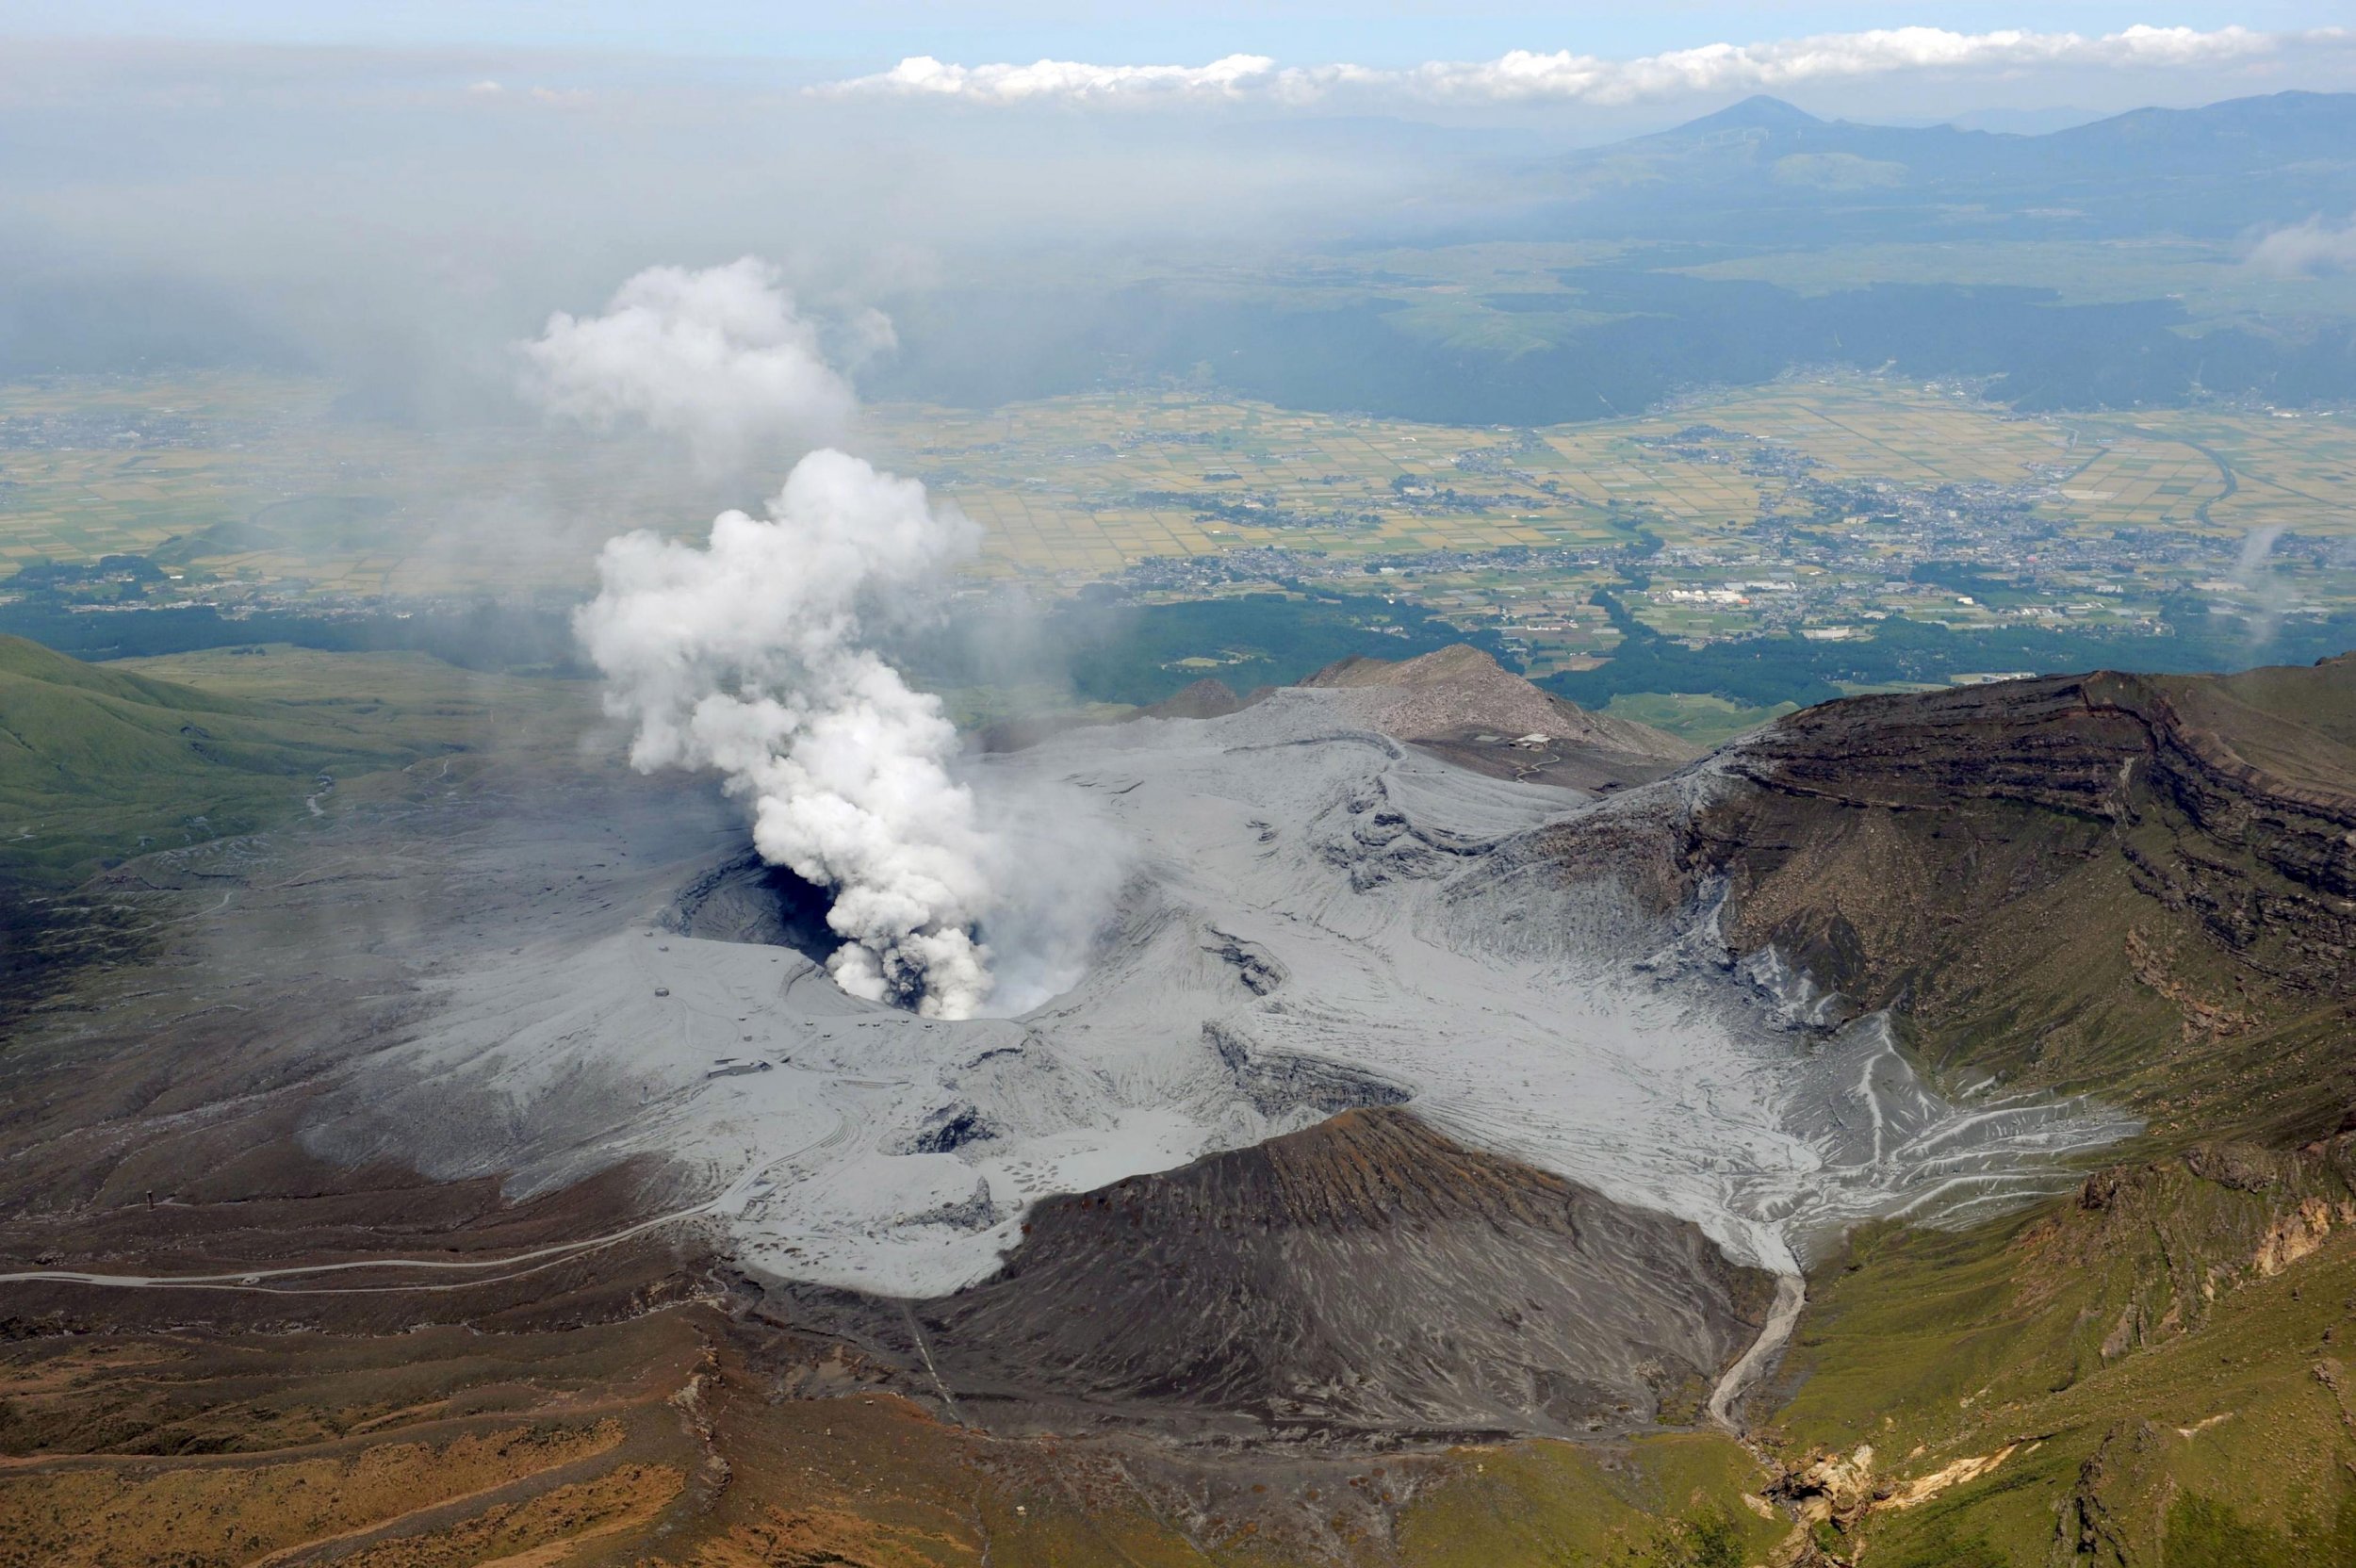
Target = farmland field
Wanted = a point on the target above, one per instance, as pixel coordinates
(1087, 485)
(1812, 503)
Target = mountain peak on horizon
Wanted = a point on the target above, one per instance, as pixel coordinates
(1757, 112)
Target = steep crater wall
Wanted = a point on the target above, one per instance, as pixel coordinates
(1366, 1278)
(2092, 880)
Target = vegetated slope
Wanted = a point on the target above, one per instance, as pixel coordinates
(2155, 1370)
(2141, 885)
(96, 762)
(1365, 1278)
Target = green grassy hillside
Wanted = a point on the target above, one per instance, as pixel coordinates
(97, 764)
(101, 764)
(2156, 1370)
(2144, 889)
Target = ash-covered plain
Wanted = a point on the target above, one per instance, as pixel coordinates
(1316, 917)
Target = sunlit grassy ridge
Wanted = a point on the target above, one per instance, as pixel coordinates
(1703, 720)
(2146, 1360)
(1673, 1500)
(2149, 1369)
(99, 764)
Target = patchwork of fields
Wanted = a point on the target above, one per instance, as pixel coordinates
(251, 483)
(1087, 485)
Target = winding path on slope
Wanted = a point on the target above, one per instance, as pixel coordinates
(1790, 1296)
(538, 1258)
(1782, 1317)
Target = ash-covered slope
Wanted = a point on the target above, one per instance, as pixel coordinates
(2108, 880)
(1317, 917)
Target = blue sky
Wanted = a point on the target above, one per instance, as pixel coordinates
(1583, 71)
(1371, 32)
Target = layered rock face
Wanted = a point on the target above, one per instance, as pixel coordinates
(2263, 765)
(2058, 743)
(2044, 872)
(2268, 852)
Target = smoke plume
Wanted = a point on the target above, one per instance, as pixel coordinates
(2311, 249)
(746, 654)
(720, 358)
(2265, 591)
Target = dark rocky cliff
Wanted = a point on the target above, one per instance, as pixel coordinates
(2129, 883)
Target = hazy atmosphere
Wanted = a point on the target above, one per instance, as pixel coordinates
(1295, 784)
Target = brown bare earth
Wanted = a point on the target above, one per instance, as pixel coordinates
(1363, 1281)
(1459, 704)
(683, 1438)
(212, 1444)
(641, 1402)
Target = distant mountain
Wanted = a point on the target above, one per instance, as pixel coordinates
(1612, 336)
(1762, 166)
(1757, 112)
(2238, 134)
(2020, 121)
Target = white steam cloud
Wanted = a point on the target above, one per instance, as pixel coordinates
(718, 357)
(747, 655)
(1528, 76)
(2313, 249)
(744, 656)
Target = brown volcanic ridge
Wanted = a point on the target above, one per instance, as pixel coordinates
(1460, 703)
(1333, 1347)
(1313, 1319)
(1457, 703)
(1366, 1278)
(2145, 886)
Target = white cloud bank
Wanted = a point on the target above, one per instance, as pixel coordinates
(2313, 249)
(1563, 75)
